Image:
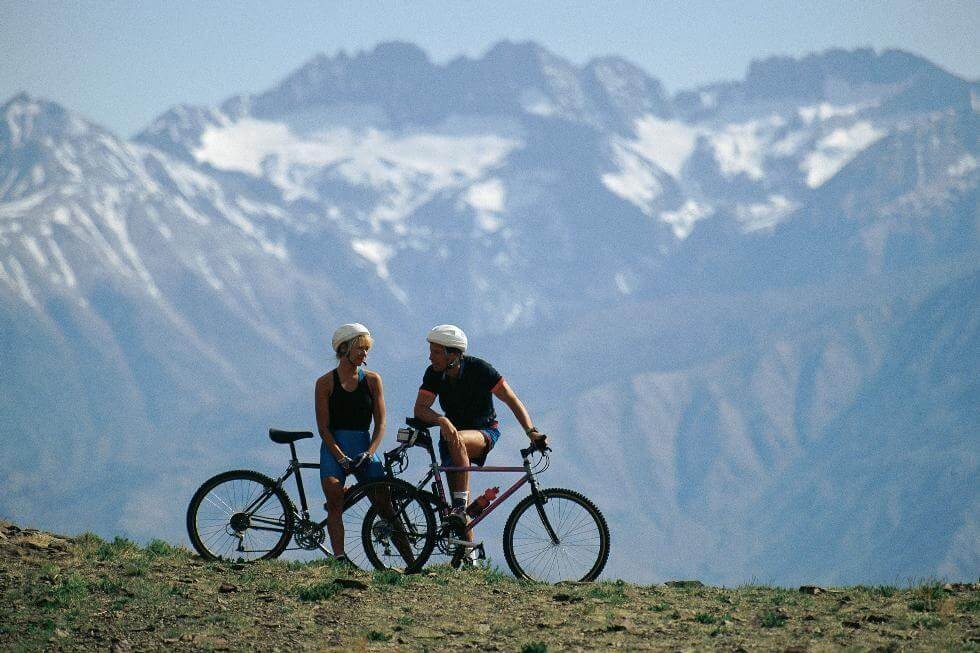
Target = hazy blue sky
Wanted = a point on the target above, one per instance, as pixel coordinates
(123, 63)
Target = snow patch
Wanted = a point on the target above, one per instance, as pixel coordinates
(209, 276)
(59, 257)
(20, 121)
(682, 220)
(20, 282)
(965, 165)
(536, 103)
(765, 215)
(487, 199)
(19, 208)
(254, 208)
(61, 215)
(790, 144)
(376, 252)
(32, 247)
(623, 284)
(64, 155)
(836, 150)
(636, 181)
(708, 100)
(740, 147)
(190, 212)
(667, 143)
(826, 111)
(486, 196)
(407, 168)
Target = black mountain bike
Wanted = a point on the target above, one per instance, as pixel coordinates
(244, 515)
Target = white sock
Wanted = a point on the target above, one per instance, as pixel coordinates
(461, 499)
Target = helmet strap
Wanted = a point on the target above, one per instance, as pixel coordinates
(453, 363)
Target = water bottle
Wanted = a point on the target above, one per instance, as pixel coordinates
(481, 502)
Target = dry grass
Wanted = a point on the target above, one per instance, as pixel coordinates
(88, 594)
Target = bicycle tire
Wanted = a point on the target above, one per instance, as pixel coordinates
(221, 526)
(582, 551)
(413, 537)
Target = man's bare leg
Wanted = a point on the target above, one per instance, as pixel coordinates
(473, 444)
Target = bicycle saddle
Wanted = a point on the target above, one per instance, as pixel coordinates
(285, 437)
(416, 423)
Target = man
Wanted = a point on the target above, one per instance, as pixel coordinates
(465, 386)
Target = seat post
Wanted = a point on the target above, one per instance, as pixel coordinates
(299, 480)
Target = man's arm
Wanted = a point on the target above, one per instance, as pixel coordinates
(424, 412)
(506, 394)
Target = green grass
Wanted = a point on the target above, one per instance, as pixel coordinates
(613, 593)
(535, 647)
(72, 599)
(968, 606)
(771, 619)
(494, 575)
(161, 548)
(72, 589)
(388, 577)
(318, 591)
(928, 622)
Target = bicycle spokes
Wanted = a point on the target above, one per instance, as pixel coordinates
(239, 516)
(565, 538)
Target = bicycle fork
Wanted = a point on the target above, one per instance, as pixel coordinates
(539, 501)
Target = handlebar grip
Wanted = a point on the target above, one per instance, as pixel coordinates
(528, 451)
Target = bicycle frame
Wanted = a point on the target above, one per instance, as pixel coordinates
(296, 467)
(434, 476)
(527, 477)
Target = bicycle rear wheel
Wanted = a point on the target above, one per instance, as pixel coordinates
(580, 546)
(399, 529)
(240, 516)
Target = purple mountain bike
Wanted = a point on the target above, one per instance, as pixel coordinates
(551, 535)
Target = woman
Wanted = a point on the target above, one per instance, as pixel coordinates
(347, 398)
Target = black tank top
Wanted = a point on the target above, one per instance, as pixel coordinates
(351, 410)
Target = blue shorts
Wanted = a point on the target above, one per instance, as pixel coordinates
(351, 443)
(490, 436)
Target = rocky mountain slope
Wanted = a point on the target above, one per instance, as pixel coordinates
(747, 313)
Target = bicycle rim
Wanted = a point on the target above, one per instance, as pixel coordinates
(355, 511)
(240, 516)
(398, 531)
(582, 546)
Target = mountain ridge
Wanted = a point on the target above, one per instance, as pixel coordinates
(713, 287)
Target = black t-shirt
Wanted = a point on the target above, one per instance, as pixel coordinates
(468, 400)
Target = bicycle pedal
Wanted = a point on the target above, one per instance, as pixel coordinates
(466, 544)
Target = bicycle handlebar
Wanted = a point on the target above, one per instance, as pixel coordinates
(423, 438)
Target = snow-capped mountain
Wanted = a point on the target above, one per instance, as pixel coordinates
(708, 294)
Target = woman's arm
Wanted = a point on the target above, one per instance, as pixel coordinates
(324, 386)
(378, 393)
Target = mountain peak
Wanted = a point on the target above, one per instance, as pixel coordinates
(27, 117)
(808, 76)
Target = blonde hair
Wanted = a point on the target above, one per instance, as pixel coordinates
(361, 340)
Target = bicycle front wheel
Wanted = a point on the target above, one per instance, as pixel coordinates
(559, 536)
(240, 516)
(399, 529)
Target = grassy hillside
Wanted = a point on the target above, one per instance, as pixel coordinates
(83, 593)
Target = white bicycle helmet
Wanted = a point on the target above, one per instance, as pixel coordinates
(447, 335)
(347, 332)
